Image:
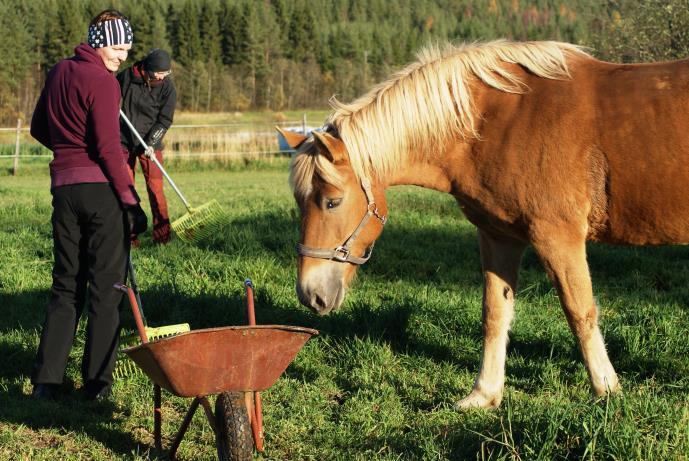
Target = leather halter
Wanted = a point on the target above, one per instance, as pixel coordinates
(342, 253)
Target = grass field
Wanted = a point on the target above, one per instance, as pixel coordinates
(379, 382)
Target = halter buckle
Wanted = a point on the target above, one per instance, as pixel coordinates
(341, 254)
(373, 209)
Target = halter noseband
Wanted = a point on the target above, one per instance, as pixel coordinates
(342, 252)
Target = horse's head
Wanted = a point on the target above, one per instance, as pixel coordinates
(342, 214)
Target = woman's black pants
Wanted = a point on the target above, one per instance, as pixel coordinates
(90, 249)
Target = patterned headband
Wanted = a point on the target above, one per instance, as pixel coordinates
(110, 33)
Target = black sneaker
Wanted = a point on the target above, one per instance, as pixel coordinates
(97, 391)
(44, 391)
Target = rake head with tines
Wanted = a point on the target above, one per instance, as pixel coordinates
(200, 222)
(124, 366)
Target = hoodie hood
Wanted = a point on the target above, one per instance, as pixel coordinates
(84, 52)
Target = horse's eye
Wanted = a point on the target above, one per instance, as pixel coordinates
(333, 203)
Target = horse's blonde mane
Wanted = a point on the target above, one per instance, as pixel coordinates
(429, 102)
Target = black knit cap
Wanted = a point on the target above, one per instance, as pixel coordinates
(157, 61)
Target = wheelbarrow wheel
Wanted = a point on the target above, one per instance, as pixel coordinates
(233, 439)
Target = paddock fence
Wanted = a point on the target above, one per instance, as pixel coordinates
(200, 142)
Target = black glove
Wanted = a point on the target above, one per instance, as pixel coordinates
(155, 136)
(138, 222)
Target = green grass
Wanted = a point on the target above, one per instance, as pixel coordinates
(379, 382)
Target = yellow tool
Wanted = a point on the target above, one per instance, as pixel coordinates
(197, 222)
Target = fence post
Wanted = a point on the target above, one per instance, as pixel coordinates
(16, 148)
(303, 123)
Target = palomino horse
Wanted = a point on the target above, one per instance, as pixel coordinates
(539, 143)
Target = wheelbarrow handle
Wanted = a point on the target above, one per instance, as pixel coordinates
(250, 301)
(135, 288)
(255, 410)
(135, 310)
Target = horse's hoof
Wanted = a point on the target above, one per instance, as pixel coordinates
(604, 390)
(478, 400)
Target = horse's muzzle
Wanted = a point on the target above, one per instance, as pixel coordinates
(320, 292)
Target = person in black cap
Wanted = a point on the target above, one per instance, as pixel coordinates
(148, 100)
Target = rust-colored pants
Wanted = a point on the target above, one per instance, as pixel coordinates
(154, 185)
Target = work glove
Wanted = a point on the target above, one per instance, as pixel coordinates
(155, 136)
(137, 220)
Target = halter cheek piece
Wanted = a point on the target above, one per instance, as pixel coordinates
(342, 252)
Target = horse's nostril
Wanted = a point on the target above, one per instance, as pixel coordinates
(319, 303)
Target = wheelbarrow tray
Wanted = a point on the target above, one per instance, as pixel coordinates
(214, 360)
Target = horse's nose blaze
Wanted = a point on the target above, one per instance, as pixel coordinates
(321, 286)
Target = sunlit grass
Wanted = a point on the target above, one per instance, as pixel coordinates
(379, 382)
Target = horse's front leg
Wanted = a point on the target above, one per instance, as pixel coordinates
(564, 257)
(500, 260)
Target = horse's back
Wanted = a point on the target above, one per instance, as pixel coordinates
(643, 126)
(609, 146)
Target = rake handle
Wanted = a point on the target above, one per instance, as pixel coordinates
(135, 310)
(155, 160)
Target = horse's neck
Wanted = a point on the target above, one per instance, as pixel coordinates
(425, 175)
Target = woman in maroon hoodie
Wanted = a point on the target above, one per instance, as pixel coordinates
(95, 206)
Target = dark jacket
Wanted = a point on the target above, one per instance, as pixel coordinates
(150, 108)
(77, 118)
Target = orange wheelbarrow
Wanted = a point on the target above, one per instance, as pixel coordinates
(235, 362)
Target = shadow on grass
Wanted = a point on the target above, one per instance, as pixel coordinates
(427, 256)
(68, 413)
(413, 252)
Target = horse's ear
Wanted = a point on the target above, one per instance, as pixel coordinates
(330, 146)
(294, 140)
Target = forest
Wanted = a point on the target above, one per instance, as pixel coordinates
(237, 55)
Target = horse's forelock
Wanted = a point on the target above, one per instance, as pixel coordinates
(308, 166)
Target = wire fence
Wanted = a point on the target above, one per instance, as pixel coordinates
(201, 142)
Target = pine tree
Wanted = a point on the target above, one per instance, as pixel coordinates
(66, 27)
(188, 34)
(231, 31)
(250, 51)
(16, 60)
(282, 17)
(301, 34)
(147, 18)
(211, 40)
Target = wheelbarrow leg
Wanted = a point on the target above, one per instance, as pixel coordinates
(183, 428)
(256, 419)
(209, 414)
(157, 418)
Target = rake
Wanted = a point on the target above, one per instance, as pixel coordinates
(198, 222)
(124, 366)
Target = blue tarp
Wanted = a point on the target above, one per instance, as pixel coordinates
(282, 143)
